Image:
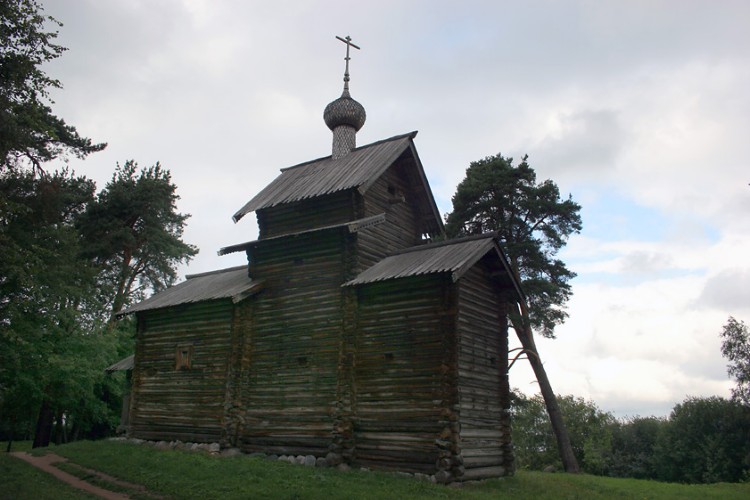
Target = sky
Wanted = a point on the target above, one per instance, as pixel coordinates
(639, 110)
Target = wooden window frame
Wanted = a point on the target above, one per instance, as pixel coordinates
(183, 357)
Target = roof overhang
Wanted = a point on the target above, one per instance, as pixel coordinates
(231, 283)
(351, 226)
(122, 365)
(451, 256)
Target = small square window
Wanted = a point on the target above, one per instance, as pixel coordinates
(183, 357)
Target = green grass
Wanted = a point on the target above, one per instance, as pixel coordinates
(21, 481)
(16, 446)
(91, 478)
(543, 485)
(179, 474)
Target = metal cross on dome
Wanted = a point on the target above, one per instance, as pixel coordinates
(348, 42)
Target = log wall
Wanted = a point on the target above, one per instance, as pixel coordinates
(482, 377)
(185, 404)
(322, 211)
(292, 345)
(399, 373)
(392, 194)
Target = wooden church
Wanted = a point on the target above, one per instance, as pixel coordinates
(355, 333)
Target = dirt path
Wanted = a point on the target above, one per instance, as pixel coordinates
(46, 463)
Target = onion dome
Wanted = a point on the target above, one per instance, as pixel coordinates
(344, 116)
(345, 111)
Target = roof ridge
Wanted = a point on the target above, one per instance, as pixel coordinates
(438, 244)
(410, 135)
(217, 271)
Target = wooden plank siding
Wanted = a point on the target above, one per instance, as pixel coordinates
(399, 373)
(392, 194)
(185, 404)
(482, 376)
(289, 392)
(291, 218)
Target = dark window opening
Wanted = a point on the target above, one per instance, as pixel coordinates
(184, 357)
(395, 195)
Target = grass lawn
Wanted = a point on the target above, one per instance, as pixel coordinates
(179, 474)
(21, 481)
(16, 446)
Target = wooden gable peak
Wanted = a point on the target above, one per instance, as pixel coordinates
(359, 170)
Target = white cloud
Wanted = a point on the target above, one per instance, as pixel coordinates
(728, 290)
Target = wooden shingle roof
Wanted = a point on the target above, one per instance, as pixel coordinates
(451, 256)
(232, 283)
(359, 169)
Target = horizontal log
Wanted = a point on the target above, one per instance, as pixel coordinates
(471, 462)
(390, 465)
(471, 452)
(472, 474)
(481, 433)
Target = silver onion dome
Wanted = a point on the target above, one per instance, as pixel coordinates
(345, 111)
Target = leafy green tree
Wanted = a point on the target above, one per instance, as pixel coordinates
(50, 354)
(735, 346)
(532, 223)
(134, 232)
(535, 444)
(532, 433)
(29, 131)
(706, 440)
(633, 444)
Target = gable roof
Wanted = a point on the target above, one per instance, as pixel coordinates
(451, 256)
(359, 169)
(231, 283)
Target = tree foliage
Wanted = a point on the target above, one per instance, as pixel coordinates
(68, 256)
(634, 447)
(134, 233)
(707, 440)
(735, 347)
(29, 131)
(49, 349)
(533, 224)
(535, 445)
(704, 440)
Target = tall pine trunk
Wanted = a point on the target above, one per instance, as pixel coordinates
(523, 329)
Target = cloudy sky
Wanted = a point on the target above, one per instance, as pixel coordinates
(639, 109)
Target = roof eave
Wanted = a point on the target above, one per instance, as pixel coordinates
(352, 226)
